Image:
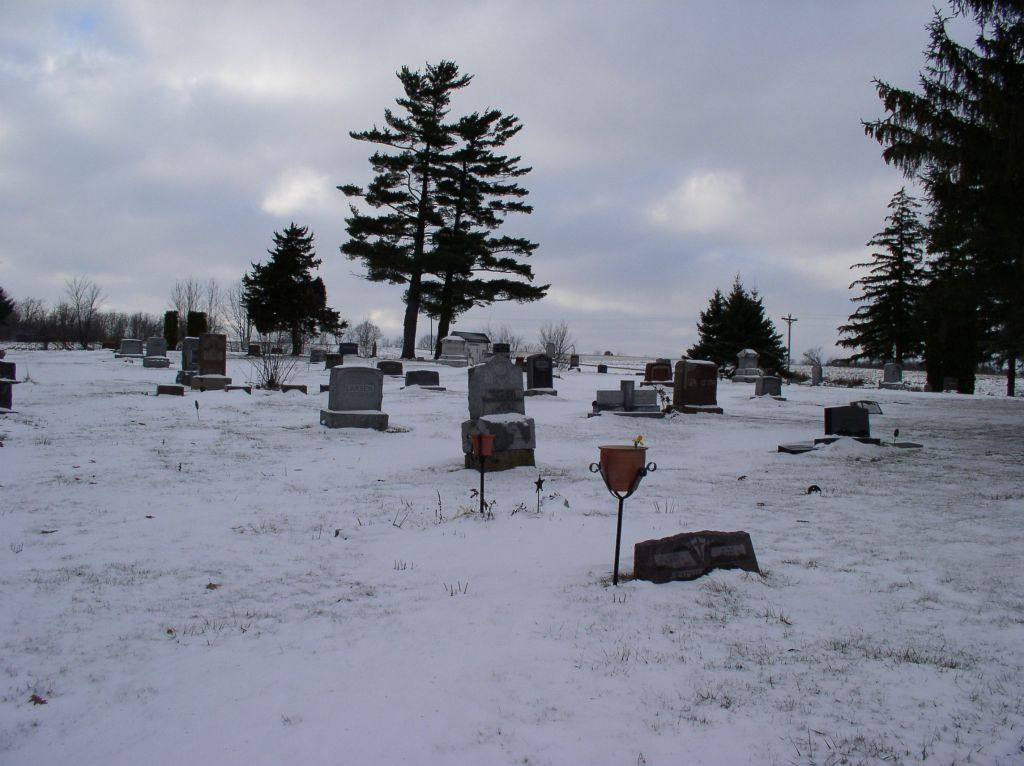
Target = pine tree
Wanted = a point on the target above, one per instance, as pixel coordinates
(6, 306)
(886, 326)
(474, 196)
(710, 327)
(737, 322)
(961, 138)
(393, 244)
(282, 295)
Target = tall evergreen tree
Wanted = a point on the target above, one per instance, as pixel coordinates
(6, 306)
(474, 196)
(886, 325)
(282, 294)
(961, 138)
(393, 244)
(734, 323)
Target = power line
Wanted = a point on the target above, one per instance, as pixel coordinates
(789, 319)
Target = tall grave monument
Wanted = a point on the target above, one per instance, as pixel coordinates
(496, 406)
(212, 361)
(696, 387)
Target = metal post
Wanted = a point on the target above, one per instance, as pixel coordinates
(481, 458)
(618, 540)
(789, 319)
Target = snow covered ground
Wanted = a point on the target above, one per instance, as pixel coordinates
(239, 585)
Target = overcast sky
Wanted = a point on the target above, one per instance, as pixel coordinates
(674, 145)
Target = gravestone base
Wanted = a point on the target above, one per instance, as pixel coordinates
(689, 555)
(171, 389)
(118, 355)
(892, 386)
(184, 377)
(637, 414)
(503, 461)
(354, 419)
(210, 382)
(540, 392)
(156, 361)
(425, 388)
(300, 387)
(696, 409)
(509, 435)
(454, 362)
(796, 449)
(862, 439)
(750, 375)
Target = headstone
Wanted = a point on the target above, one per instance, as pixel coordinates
(355, 399)
(768, 385)
(317, 355)
(574, 361)
(747, 370)
(892, 376)
(497, 407)
(689, 555)
(189, 360)
(658, 372)
(428, 379)
(130, 348)
(504, 349)
(333, 360)
(454, 351)
(156, 353)
(254, 349)
(539, 372)
(847, 421)
(602, 368)
(156, 346)
(348, 349)
(628, 401)
(816, 375)
(696, 387)
(8, 379)
(549, 349)
(390, 367)
(213, 354)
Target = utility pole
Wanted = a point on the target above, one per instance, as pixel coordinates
(789, 319)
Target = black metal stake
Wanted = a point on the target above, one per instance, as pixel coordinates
(618, 540)
(481, 458)
(644, 470)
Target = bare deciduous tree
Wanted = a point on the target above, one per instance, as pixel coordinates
(84, 300)
(505, 334)
(814, 356)
(366, 334)
(556, 334)
(237, 315)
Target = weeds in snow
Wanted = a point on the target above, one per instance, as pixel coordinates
(458, 589)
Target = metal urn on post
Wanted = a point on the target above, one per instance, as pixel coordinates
(622, 467)
(483, 448)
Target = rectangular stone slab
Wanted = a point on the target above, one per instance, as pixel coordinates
(689, 555)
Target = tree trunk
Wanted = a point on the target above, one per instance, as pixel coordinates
(412, 310)
(296, 339)
(1011, 375)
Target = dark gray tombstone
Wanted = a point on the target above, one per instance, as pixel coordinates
(816, 375)
(317, 355)
(428, 379)
(689, 555)
(574, 361)
(355, 399)
(504, 349)
(190, 354)
(130, 347)
(348, 349)
(8, 379)
(892, 373)
(254, 349)
(696, 386)
(390, 367)
(847, 421)
(333, 360)
(539, 371)
(628, 389)
(156, 353)
(768, 385)
(497, 407)
(213, 354)
(602, 368)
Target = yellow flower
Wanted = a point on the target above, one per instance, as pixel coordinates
(638, 441)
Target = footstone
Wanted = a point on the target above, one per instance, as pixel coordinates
(796, 449)
(689, 555)
(324, 387)
(300, 387)
(210, 382)
(158, 362)
(247, 389)
(170, 389)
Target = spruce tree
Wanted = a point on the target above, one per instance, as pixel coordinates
(960, 137)
(742, 324)
(710, 328)
(393, 244)
(473, 266)
(282, 294)
(6, 306)
(886, 326)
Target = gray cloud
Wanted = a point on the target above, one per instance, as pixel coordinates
(674, 145)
